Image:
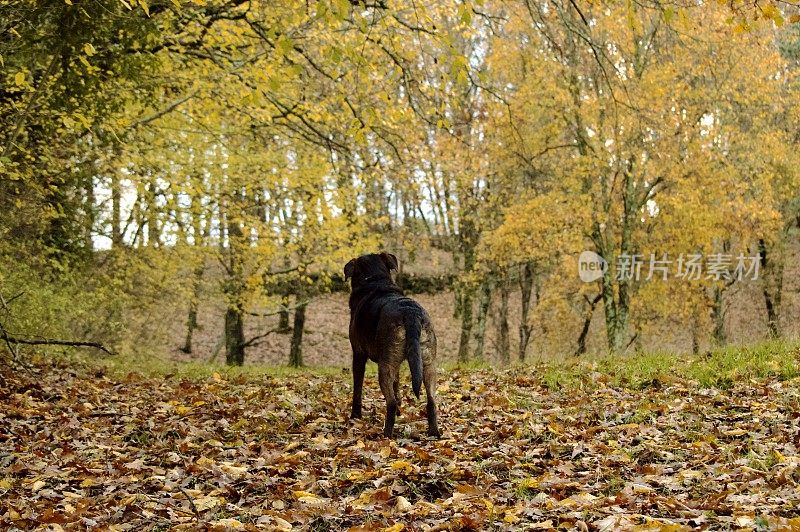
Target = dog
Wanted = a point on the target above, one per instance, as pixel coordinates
(387, 327)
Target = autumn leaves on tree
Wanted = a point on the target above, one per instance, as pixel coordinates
(163, 151)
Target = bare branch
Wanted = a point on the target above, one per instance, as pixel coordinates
(49, 341)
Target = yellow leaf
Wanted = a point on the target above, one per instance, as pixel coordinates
(88, 49)
(226, 524)
(301, 493)
(19, 79)
(397, 527)
(402, 464)
(203, 461)
(355, 475)
(234, 471)
(735, 432)
(403, 505)
(206, 503)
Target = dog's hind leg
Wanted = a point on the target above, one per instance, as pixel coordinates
(428, 353)
(429, 377)
(387, 377)
(397, 394)
(359, 365)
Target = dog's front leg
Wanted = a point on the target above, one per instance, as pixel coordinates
(386, 378)
(359, 365)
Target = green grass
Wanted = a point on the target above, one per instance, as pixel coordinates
(719, 368)
(155, 366)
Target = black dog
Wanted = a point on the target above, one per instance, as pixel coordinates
(388, 328)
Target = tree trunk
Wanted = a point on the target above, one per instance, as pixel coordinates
(696, 331)
(610, 310)
(718, 313)
(89, 206)
(234, 336)
(458, 302)
(466, 326)
(151, 215)
(503, 342)
(283, 316)
(772, 268)
(116, 212)
(286, 293)
(296, 348)
(587, 322)
(773, 326)
(526, 287)
(483, 310)
(191, 321)
(234, 286)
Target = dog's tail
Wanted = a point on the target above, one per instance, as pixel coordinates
(413, 325)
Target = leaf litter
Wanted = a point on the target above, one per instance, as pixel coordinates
(81, 449)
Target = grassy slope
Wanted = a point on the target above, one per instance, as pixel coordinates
(719, 367)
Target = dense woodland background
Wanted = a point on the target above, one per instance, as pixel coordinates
(187, 179)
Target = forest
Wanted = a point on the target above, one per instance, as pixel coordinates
(598, 203)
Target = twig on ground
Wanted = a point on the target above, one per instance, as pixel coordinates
(191, 503)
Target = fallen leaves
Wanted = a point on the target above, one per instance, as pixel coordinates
(85, 451)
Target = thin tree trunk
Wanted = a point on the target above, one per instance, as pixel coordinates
(610, 309)
(116, 212)
(587, 322)
(296, 348)
(234, 287)
(466, 326)
(526, 287)
(458, 302)
(772, 285)
(718, 313)
(696, 331)
(89, 207)
(483, 310)
(773, 326)
(283, 315)
(153, 231)
(234, 336)
(503, 341)
(191, 321)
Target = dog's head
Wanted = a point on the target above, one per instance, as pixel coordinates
(370, 268)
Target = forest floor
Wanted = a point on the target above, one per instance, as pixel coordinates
(651, 442)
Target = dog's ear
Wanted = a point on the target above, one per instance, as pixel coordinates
(390, 260)
(348, 269)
